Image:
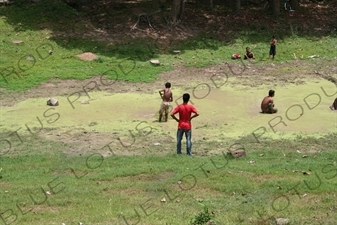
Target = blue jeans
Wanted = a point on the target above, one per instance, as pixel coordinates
(188, 135)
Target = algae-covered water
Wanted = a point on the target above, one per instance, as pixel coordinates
(226, 112)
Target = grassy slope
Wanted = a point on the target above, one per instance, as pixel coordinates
(238, 192)
(98, 191)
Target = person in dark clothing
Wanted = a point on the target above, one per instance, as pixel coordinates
(249, 54)
(272, 51)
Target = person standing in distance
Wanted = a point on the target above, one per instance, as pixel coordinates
(272, 51)
(185, 111)
(166, 96)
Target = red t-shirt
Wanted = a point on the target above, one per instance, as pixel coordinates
(185, 111)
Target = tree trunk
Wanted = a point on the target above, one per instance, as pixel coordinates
(182, 2)
(155, 4)
(202, 2)
(276, 7)
(237, 7)
(177, 11)
(294, 4)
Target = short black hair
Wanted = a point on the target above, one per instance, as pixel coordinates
(186, 97)
(168, 85)
(271, 93)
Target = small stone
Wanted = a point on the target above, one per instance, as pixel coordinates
(87, 56)
(282, 221)
(155, 62)
(48, 193)
(30, 58)
(176, 51)
(84, 102)
(92, 124)
(50, 52)
(52, 102)
(304, 156)
(199, 199)
(251, 161)
(261, 155)
(237, 153)
(4, 1)
(163, 200)
(17, 41)
(157, 143)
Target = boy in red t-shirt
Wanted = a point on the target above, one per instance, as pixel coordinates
(184, 123)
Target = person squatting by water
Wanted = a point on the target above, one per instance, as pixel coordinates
(267, 104)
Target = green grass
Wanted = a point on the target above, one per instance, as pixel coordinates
(94, 190)
(129, 62)
(104, 191)
(37, 24)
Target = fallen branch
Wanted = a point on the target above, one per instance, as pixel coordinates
(146, 18)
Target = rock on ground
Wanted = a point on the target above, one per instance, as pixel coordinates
(52, 102)
(87, 56)
(282, 221)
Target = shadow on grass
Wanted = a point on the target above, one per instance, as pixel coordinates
(72, 24)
